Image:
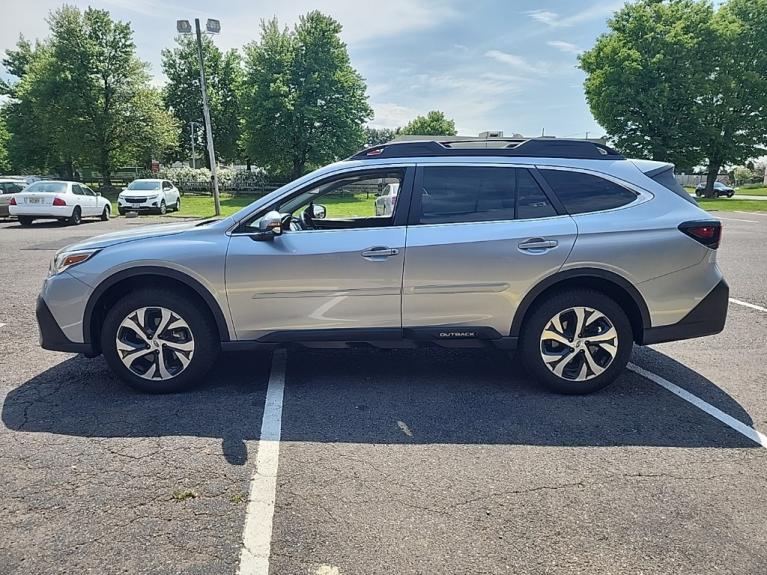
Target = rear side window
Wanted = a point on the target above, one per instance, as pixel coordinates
(452, 194)
(581, 193)
(77, 190)
(531, 201)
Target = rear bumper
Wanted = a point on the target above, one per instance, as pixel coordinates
(42, 211)
(706, 318)
(51, 336)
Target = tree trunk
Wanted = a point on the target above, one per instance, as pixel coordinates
(106, 171)
(713, 172)
(298, 168)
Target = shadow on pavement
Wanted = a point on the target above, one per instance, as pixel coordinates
(366, 395)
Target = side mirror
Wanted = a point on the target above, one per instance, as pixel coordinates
(319, 212)
(98, 194)
(269, 227)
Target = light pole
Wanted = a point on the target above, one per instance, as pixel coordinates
(192, 135)
(211, 27)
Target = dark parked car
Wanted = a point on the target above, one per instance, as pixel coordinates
(719, 189)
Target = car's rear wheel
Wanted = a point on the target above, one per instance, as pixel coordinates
(577, 341)
(76, 218)
(158, 341)
(105, 214)
(26, 220)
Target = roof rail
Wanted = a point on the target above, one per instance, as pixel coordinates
(533, 147)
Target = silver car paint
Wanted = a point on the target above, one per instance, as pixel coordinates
(452, 276)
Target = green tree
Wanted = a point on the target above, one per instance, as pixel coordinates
(677, 81)
(223, 76)
(304, 104)
(5, 137)
(432, 124)
(378, 136)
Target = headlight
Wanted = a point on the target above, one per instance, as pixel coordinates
(65, 260)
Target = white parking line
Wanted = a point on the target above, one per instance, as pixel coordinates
(3, 324)
(257, 535)
(737, 220)
(746, 304)
(728, 420)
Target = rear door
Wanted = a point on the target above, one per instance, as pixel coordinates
(479, 238)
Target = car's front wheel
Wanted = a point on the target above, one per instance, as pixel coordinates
(158, 341)
(577, 341)
(163, 208)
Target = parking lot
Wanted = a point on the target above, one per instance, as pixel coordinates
(384, 461)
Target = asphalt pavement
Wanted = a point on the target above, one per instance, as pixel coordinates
(389, 461)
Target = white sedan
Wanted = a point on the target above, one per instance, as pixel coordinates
(148, 195)
(387, 200)
(64, 201)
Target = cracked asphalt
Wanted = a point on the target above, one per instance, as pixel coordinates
(409, 461)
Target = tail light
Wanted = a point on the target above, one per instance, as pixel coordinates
(12, 202)
(709, 233)
(59, 202)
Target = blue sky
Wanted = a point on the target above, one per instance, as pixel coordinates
(489, 64)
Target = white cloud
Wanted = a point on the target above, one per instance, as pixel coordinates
(565, 46)
(391, 115)
(595, 12)
(517, 63)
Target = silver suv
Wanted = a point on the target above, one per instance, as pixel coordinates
(563, 249)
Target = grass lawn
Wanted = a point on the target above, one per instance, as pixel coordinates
(732, 204)
(751, 191)
(346, 206)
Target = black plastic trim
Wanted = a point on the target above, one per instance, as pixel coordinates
(344, 335)
(527, 301)
(192, 283)
(533, 147)
(52, 337)
(706, 318)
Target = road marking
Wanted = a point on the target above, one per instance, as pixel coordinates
(257, 535)
(3, 324)
(728, 420)
(746, 304)
(737, 220)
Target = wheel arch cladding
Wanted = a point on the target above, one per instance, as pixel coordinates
(612, 285)
(117, 285)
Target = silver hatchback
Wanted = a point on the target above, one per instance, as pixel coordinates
(563, 249)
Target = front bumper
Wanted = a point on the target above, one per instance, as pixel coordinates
(51, 336)
(706, 318)
(146, 206)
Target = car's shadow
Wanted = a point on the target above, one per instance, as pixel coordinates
(376, 396)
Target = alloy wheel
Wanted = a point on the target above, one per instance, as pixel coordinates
(579, 343)
(155, 343)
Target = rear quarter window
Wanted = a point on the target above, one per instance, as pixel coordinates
(667, 179)
(581, 193)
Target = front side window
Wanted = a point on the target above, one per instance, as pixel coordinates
(452, 194)
(581, 193)
(345, 202)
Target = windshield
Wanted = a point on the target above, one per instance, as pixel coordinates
(48, 188)
(143, 185)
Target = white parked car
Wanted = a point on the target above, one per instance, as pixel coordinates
(156, 196)
(387, 200)
(64, 201)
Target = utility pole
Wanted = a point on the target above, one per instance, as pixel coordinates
(192, 134)
(206, 114)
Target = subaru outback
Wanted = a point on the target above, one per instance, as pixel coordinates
(561, 249)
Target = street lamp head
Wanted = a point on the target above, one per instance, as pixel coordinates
(213, 26)
(183, 27)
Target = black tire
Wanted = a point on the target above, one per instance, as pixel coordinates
(536, 322)
(26, 221)
(201, 325)
(699, 194)
(163, 209)
(121, 211)
(105, 214)
(76, 218)
(730, 194)
(178, 205)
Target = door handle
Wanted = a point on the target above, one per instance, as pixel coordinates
(538, 244)
(379, 252)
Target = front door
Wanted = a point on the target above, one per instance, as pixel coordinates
(480, 238)
(332, 277)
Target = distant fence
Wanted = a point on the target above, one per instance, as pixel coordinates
(695, 179)
(245, 187)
